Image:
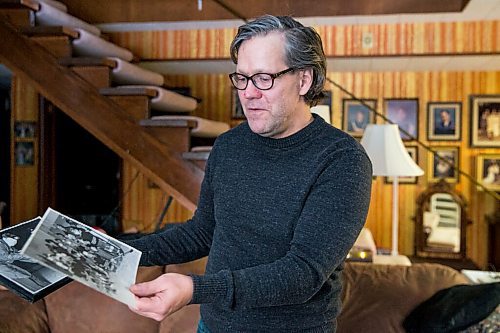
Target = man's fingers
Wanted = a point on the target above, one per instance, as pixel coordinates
(148, 288)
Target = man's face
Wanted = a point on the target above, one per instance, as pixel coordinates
(280, 111)
(445, 116)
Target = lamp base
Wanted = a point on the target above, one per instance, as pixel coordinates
(389, 259)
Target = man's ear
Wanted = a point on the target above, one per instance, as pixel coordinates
(306, 80)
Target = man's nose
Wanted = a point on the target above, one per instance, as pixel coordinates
(251, 91)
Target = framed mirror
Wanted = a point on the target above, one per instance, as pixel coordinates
(440, 223)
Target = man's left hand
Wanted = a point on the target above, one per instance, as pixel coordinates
(162, 296)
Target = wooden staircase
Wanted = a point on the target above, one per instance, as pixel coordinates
(80, 87)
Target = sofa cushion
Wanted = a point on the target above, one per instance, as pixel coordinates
(453, 309)
(377, 298)
(20, 316)
(77, 308)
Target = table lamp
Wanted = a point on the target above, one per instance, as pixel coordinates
(389, 157)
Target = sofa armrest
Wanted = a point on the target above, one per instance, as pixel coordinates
(20, 316)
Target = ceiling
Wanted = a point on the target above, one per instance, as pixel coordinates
(114, 11)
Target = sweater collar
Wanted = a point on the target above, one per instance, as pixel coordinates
(291, 140)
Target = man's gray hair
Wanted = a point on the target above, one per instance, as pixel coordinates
(303, 48)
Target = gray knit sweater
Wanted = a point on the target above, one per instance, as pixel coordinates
(277, 218)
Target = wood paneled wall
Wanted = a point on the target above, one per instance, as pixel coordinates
(345, 40)
(24, 174)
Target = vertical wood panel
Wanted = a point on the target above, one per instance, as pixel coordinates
(24, 186)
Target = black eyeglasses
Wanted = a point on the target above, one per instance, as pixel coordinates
(262, 81)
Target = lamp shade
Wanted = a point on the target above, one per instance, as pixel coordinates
(387, 152)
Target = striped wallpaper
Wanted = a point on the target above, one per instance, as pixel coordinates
(341, 40)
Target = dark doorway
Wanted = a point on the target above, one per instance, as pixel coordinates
(86, 175)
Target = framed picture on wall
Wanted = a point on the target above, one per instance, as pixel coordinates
(444, 121)
(356, 116)
(236, 108)
(488, 171)
(485, 120)
(441, 164)
(404, 113)
(25, 129)
(24, 153)
(413, 152)
(324, 107)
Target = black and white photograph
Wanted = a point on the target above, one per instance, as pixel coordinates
(85, 254)
(19, 273)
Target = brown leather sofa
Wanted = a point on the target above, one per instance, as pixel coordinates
(376, 298)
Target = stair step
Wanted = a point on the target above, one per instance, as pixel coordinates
(86, 61)
(96, 71)
(196, 155)
(137, 101)
(19, 4)
(56, 40)
(168, 123)
(198, 158)
(128, 92)
(54, 31)
(17, 12)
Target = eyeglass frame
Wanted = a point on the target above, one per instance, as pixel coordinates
(250, 78)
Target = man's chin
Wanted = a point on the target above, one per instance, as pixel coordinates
(259, 128)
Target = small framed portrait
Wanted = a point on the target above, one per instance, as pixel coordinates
(485, 121)
(404, 113)
(25, 129)
(413, 152)
(24, 153)
(324, 107)
(488, 171)
(236, 108)
(441, 164)
(356, 116)
(444, 121)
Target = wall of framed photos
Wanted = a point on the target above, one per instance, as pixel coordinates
(424, 95)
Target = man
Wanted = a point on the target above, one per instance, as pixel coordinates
(445, 124)
(283, 199)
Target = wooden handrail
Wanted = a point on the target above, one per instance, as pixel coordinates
(100, 116)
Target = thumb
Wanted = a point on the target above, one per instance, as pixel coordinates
(148, 288)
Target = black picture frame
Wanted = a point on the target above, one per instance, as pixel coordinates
(488, 171)
(444, 121)
(25, 129)
(437, 169)
(404, 113)
(356, 116)
(24, 153)
(485, 121)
